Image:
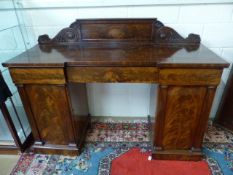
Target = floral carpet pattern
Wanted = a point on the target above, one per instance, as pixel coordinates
(119, 132)
(111, 138)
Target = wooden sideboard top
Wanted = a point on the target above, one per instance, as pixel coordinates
(118, 42)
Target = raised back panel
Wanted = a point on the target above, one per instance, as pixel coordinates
(116, 30)
(129, 30)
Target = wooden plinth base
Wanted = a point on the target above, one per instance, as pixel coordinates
(56, 149)
(9, 149)
(177, 155)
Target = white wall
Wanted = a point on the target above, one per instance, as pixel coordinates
(213, 22)
(11, 44)
(11, 41)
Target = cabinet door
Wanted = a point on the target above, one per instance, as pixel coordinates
(184, 103)
(50, 108)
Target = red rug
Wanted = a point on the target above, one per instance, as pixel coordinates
(135, 162)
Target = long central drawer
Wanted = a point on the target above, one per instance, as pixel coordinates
(112, 74)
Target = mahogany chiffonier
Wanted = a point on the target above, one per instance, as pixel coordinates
(51, 78)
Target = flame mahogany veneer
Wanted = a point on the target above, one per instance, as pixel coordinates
(51, 79)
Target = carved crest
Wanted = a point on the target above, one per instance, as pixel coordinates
(69, 35)
(167, 35)
(115, 30)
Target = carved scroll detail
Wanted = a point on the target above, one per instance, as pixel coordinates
(161, 34)
(67, 35)
(167, 35)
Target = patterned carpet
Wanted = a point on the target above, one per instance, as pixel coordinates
(108, 139)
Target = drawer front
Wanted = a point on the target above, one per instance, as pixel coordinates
(190, 76)
(112, 74)
(37, 75)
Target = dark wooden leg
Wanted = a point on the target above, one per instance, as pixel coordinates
(77, 94)
(11, 126)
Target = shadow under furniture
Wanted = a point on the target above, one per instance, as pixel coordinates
(224, 116)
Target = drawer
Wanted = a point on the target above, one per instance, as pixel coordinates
(112, 74)
(190, 76)
(37, 75)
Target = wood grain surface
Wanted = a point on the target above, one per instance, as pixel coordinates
(112, 74)
(51, 79)
(38, 75)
